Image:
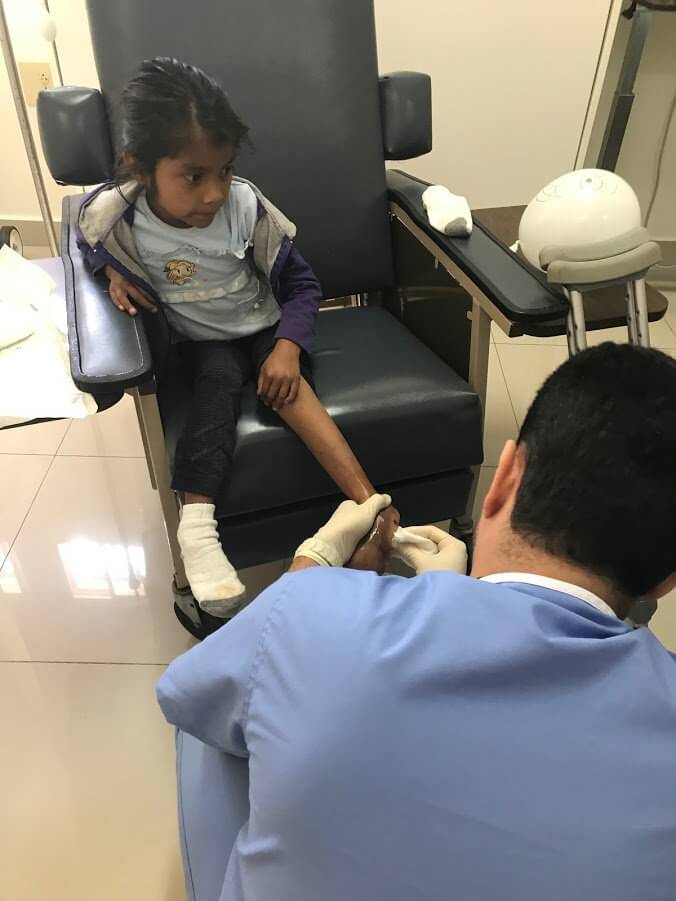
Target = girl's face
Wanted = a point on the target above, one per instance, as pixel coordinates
(188, 190)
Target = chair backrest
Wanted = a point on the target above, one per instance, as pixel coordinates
(303, 75)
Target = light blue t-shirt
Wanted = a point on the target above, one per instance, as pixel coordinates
(205, 277)
(438, 739)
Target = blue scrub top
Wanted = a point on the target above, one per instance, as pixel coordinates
(438, 739)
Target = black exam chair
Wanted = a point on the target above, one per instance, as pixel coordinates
(323, 124)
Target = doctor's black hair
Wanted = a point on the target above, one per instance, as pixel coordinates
(162, 107)
(599, 486)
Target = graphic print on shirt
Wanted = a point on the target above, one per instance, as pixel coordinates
(179, 272)
(187, 274)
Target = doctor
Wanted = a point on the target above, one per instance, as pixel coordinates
(505, 737)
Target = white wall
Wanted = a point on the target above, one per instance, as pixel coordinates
(74, 43)
(511, 83)
(655, 89)
(17, 194)
(17, 197)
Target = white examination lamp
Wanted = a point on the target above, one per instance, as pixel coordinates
(584, 208)
(584, 230)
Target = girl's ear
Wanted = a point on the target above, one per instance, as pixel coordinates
(130, 169)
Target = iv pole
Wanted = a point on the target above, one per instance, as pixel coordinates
(26, 133)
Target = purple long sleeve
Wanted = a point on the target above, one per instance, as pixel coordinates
(298, 293)
(95, 258)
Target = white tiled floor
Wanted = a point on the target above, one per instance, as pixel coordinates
(21, 478)
(86, 627)
(43, 438)
(114, 433)
(90, 570)
(526, 367)
(87, 769)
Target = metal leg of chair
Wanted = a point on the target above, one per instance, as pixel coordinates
(576, 328)
(479, 348)
(151, 424)
(632, 318)
(642, 312)
(466, 522)
(144, 438)
(463, 528)
(403, 297)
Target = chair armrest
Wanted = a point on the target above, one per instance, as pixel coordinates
(108, 349)
(518, 291)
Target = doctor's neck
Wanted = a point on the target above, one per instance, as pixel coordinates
(509, 540)
(513, 554)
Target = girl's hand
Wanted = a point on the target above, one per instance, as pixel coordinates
(279, 378)
(124, 295)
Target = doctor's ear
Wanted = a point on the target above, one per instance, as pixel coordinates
(506, 480)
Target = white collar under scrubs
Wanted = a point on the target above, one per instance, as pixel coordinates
(555, 585)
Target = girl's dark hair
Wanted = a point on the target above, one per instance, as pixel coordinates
(163, 106)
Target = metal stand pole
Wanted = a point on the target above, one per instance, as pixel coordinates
(642, 312)
(55, 50)
(624, 95)
(637, 313)
(26, 133)
(576, 328)
(632, 321)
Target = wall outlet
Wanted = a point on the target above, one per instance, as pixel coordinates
(35, 77)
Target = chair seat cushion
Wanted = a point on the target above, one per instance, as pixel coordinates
(405, 413)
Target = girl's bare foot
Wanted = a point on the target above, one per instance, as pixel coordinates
(374, 550)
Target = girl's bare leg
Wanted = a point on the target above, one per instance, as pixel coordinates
(190, 498)
(313, 425)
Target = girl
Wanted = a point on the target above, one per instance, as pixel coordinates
(177, 232)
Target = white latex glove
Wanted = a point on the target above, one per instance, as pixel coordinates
(335, 542)
(449, 554)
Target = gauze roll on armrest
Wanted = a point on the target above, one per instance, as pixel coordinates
(447, 213)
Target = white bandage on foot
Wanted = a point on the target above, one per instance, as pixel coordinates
(213, 579)
(448, 213)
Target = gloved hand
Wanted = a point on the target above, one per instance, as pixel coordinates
(335, 542)
(449, 554)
